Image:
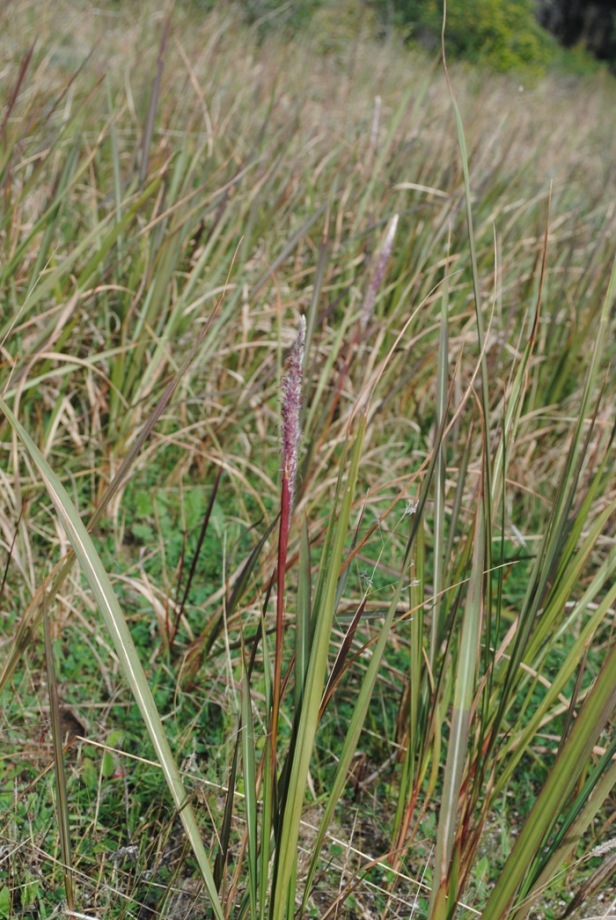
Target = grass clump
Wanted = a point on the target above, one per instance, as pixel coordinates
(376, 677)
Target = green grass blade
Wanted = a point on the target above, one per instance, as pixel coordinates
(592, 799)
(360, 711)
(592, 718)
(107, 601)
(302, 626)
(315, 679)
(457, 749)
(521, 740)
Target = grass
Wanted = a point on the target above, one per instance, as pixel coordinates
(385, 688)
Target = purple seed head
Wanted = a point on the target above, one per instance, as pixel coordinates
(291, 405)
(378, 274)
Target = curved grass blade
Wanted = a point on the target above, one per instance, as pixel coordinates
(592, 718)
(109, 606)
(55, 579)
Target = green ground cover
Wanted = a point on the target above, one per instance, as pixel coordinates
(393, 696)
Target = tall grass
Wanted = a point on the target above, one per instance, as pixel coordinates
(379, 679)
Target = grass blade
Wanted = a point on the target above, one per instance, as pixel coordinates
(58, 756)
(315, 678)
(592, 718)
(102, 589)
(464, 691)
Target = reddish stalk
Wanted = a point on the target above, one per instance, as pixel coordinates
(291, 404)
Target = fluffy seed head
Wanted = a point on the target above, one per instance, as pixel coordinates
(379, 272)
(291, 405)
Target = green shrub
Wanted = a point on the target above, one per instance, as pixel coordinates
(502, 35)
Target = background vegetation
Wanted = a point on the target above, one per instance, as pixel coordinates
(513, 35)
(395, 698)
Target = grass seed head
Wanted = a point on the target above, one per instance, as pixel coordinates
(379, 272)
(291, 406)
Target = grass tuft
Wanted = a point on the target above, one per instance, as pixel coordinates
(373, 678)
